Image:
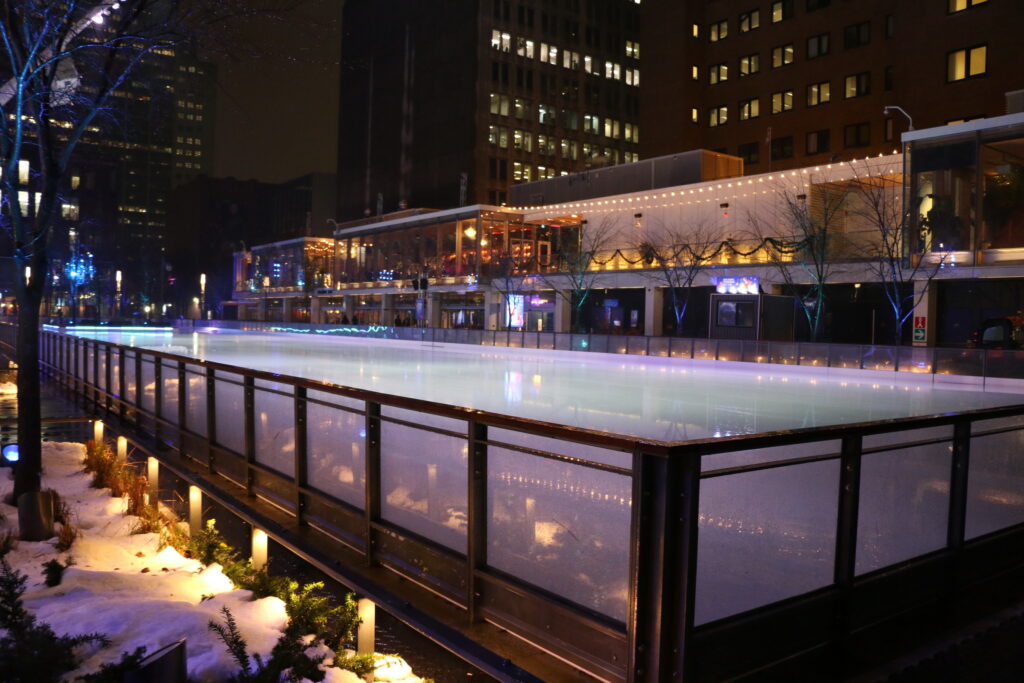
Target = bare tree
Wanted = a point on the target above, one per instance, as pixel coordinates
(675, 256)
(61, 66)
(888, 244)
(804, 240)
(576, 252)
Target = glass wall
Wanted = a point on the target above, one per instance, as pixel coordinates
(292, 265)
(968, 191)
(488, 244)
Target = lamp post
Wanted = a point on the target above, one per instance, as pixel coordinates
(202, 296)
(117, 294)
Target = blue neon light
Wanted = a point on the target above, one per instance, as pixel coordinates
(10, 452)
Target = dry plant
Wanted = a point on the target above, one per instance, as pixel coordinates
(66, 536)
(8, 542)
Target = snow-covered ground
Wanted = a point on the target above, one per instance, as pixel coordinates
(122, 586)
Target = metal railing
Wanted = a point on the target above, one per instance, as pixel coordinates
(631, 559)
(947, 364)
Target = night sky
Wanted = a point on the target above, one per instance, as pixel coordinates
(277, 99)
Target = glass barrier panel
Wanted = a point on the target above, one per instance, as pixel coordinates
(572, 449)
(336, 399)
(501, 338)
(275, 431)
(1007, 364)
(599, 343)
(879, 358)
(115, 372)
(636, 346)
(515, 339)
(336, 440)
(229, 403)
(815, 355)
(562, 527)
(148, 382)
(705, 349)
(762, 456)
(101, 371)
(916, 360)
(129, 378)
(765, 536)
(546, 340)
(995, 483)
(423, 483)
(756, 351)
(488, 338)
(730, 349)
(784, 353)
(169, 391)
(580, 342)
(904, 504)
(681, 347)
(906, 436)
(658, 346)
(968, 362)
(195, 400)
(530, 340)
(846, 356)
(563, 341)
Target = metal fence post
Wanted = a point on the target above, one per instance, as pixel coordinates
(371, 503)
(96, 394)
(846, 536)
(301, 448)
(158, 395)
(476, 499)
(663, 566)
(108, 401)
(959, 472)
(249, 392)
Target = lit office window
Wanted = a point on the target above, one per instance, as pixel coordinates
(782, 55)
(750, 20)
(750, 109)
(718, 116)
(818, 93)
(965, 63)
(782, 101)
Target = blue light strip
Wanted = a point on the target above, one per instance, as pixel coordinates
(133, 329)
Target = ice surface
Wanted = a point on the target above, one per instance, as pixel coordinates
(657, 398)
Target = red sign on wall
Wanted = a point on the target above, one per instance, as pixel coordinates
(920, 322)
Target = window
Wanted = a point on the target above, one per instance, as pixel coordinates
(858, 85)
(750, 64)
(750, 20)
(499, 72)
(524, 48)
(522, 109)
(782, 148)
(856, 35)
(592, 124)
(546, 114)
(694, 115)
(549, 54)
(498, 169)
(782, 101)
(611, 128)
(546, 145)
(499, 104)
(817, 46)
(694, 72)
(613, 70)
(633, 77)
(890, 26)
(818, 93)
(717, 116)
(718, 73)
(890, 130)
(718, 31)
(966, 63)
(857, 134)
(750, 152)
(814, 5)
(633, 49)
(522, 140)
(818, 142)
(23, 171)
(570, 119)
(570, 149)
(781, 10)
(498, 135)
(735, 314)
(961, 5)
(521, 173)
(888, 78)
(750, 109)
(632, 132)
(782, 55)
(501, 41)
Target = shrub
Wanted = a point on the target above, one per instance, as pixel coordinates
(53, 570)
(114, 672)
(30, 651)
(289, 654)
(310, 611)
(66, 537)
(8, 542)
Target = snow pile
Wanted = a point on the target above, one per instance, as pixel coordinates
(121, 585)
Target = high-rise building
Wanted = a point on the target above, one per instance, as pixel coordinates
(792, 83)
(447, 103)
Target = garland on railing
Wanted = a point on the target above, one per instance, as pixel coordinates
(780, 246)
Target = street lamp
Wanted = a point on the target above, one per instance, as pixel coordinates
(202, 295)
